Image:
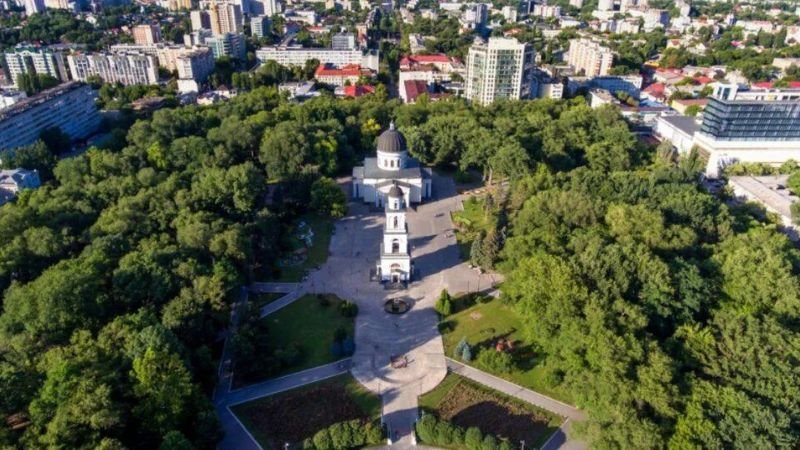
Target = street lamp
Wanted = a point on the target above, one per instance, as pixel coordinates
(522, 444)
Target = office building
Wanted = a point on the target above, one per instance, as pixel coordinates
(589, 58)
(501, 68)
(227, 44)
(740, 125)
(260, 26)
(295, 55)
(225, 18)
(35, 61)
(200, 20)
(147, 34)
(34, 7)
(125, 68)
(343, 41)
(69, 107)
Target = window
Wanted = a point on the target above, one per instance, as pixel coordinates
(396, 246)
(395, 222)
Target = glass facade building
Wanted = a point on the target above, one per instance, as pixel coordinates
(751, 120)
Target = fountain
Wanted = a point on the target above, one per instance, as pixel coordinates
(396, 305)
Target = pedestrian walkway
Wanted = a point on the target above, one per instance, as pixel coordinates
(560, 439)
(282, 302)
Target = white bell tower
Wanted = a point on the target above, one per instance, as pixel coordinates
(395, 263)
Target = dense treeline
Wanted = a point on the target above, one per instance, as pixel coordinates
(671, 319)
(118, 275)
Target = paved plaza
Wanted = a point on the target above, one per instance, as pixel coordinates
(412, 336)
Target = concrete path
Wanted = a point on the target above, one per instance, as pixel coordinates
(560, 439)
(272, 288)
(236, 435)
(282, 302)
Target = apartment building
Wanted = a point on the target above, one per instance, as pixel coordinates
(589, 58)
(227, 44)
(295, 55)
(343, 41)
(35, 61)
(125, 68)
(201, 20)
(147, 34)
(501, 68)
(69, 106)
(260, 26)
(225, 18)
(196, 64)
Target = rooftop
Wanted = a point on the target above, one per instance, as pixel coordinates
(683, 123)
(36, 100)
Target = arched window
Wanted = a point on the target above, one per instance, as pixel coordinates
(395, 246)
(396, 204)
(395, 222)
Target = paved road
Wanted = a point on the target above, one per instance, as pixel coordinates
(560, 439)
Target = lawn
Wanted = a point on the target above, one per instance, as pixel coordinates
(470, 223)
(315, 255)
(483, 324)
(262, 299)
(466, 403)
(311, 326)
(297, 414)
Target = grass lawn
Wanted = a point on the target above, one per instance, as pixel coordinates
(265, 298)
(316, 255)
(469, 223)
(311, 326)
(466, 403)
(483, 324)
(294, 415)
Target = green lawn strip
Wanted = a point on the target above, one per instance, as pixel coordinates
(304, 411)
(264, 298)
(469, 224)
(456, 399)
(483, 324)
(311, 326)
(317, 254)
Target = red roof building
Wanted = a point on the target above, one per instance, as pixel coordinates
(357, 91)
(339, 76)
(440, 61)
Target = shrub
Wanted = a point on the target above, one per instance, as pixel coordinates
(473, 438)
(348, 346)
(339, 334)
(458, 437)
(444, 305)
(489, 443)
(348, 309)
(444, 433)
(322, 440)
(374, 434)
(495, 361)
(460, 347)
(505, 445)
(308, 444)
(466, 354)
(426, 428)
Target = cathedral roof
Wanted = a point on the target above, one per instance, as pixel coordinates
(391, 141)
(395, 191)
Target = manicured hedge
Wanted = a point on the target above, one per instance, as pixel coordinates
(343, 435)
(433, 431)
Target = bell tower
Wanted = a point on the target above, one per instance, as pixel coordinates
(395, 263)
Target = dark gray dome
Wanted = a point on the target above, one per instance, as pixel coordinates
(391, 141)
(395, 192)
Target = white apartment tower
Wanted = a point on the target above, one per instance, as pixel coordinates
(395, 263)
(128, 69)
(501, 68)
(35, 61)
(589, 57)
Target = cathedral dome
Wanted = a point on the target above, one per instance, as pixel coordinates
(391, 141)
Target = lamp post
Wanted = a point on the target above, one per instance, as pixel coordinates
(522, 444)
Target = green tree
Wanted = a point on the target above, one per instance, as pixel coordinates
(327, 198)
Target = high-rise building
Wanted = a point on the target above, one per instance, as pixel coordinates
(176, 5)
(343, 41)
(36, 61)
(227, 44)
(589, 58)
(147, 34)
(59, 4)
(34, 6)
(69, 106)
(196, 65)
(225, 18)
(260, 26)
(200, 20)
(265, 7)
(125, 68)
(501, 68)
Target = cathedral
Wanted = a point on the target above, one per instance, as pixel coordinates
(392, 166)
(393, 181)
